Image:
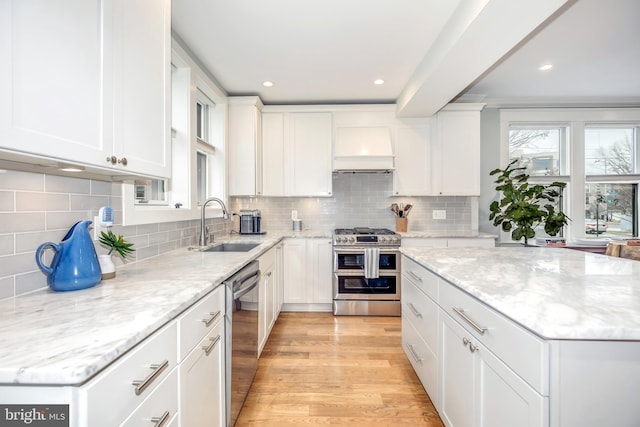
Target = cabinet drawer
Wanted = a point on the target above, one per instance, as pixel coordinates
(422, 312)
(112, 396)
(161, 405)
(525, 353)
(424, 280)
(423, 360)
(197, 321)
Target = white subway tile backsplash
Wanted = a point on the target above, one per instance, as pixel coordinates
(6, 287)
(88, 203)
(29, 282)
(102, 188)
(64, 220)
(41, 202)
(7, 201)
(18, 180)
(29, 242)
(11, 265)
(6, 245)
(20, 222)
(65, 184)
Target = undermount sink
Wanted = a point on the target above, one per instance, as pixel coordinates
(230, 247)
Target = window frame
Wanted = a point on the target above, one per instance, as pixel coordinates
(576, 120)
(185, 197)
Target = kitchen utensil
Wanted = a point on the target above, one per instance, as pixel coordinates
(407, 209)
(394, 208)
(75, 263)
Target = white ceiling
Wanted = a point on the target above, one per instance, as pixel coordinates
(429, 52)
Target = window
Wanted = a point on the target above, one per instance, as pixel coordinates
(540, 150)
(198, 120)
(610, 167)
(206, 151)
(595, 151)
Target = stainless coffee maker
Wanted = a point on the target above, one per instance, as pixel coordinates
(250, 221)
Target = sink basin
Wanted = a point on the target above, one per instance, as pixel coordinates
(231, 247)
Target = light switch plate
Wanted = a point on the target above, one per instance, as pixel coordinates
(439, 214)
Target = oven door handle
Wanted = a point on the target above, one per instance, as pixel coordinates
(360, 250)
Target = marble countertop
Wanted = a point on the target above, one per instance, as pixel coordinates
(554, 292)
(67, 337)
(426, 234)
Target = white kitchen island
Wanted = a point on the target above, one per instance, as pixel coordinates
(524, 336)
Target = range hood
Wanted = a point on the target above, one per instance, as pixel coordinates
(362, 149)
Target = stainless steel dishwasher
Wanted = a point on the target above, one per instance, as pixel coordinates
(242, 337)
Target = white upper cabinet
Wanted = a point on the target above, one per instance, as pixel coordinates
(296, 150)
(412, 176)
(245, 146)
(87, 82)
(456, 151)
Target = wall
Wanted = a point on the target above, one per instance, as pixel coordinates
(489, 160)
(37, 208)
(358, 200)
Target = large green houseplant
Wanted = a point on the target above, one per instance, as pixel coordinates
(525, 206)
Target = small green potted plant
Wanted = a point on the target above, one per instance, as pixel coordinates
(525, 206)
(114, 243)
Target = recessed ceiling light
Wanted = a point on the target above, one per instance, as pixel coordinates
(378, 82)
(545, 67)
(267, 83)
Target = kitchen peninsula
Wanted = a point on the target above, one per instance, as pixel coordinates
(524, 336)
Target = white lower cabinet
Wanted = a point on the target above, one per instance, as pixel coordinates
(308, 267)
(202, 363)
(202, 382)
(479, 390)
(448, 242)
(269, 299)
(479, 368)
(132, 380)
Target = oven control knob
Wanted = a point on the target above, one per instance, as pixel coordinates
(382, 239)
(339, 239)
(395, 239)
(351, 239)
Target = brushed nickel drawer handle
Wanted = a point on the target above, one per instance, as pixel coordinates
(209, 348)
(415, 276)
(414, 310)
(160, 421)
(481, 329)
(141, 386)
(414, 354)
(209, 321)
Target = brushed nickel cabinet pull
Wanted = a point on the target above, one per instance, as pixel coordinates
(209, 348)
(473, 348)
(414, 310)
(209, 321)
(141, 386)
(160, 421)
(415, 276)
(123, 161)
(481, 329)
(414, 354)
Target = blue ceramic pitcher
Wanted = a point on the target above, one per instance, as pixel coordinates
(75, 263)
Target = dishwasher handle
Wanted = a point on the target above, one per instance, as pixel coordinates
(246, 285)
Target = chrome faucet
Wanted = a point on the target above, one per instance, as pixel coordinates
(225, 215)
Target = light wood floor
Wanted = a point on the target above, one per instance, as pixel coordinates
(317, 369)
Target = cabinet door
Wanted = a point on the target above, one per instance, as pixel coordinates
(202, 382)
(142, 85)
(456, 154)
(503, 398)
(245, 146)
(278, 280)
(322, 266)
(308, 154)
(297, 283)
(52, 101)
(412, 176)
(266, 298)
(273, 154)
(457, 373)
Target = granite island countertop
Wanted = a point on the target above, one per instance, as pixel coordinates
(65, 338)
(555, 293)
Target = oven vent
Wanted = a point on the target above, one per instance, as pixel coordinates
(363, 150)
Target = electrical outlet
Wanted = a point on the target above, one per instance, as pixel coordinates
(439, 214)
(294, 215)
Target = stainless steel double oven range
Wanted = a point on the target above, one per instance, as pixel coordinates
(362, 285)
